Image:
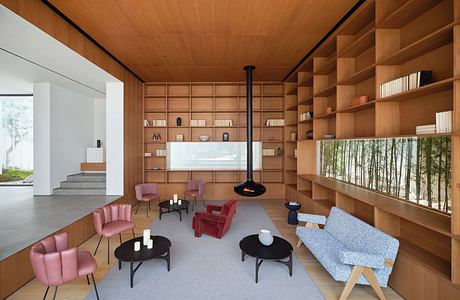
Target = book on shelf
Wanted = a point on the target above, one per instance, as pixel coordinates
(222, 123)
(160, 152)
(155, 123)
(306, 116)
(274, 122)
(197, 123)
(295, 152)
(444, 122)
(425, 129)
(147, 154)
(146, 123)
(268, 152)
(405, 83)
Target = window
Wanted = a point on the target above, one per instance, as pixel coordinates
(415, 169)
(211, 156)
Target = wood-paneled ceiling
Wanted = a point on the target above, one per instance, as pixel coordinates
(206, 40)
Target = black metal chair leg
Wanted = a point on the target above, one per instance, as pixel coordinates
(95, 288)
(46, 292)
(120, 238)
(137, 207)
(98, 245)
(87, 279)
(204, 204)
(147, 209)
(55, 293)
(132, 230)
(149, 205)
(108, 250)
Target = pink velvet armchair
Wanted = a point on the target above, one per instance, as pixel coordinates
(212, 223)
(111, 220)
(195, 188)
(146, 192)
(54, 264)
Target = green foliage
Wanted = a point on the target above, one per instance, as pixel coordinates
(14, 175)
(415, 169)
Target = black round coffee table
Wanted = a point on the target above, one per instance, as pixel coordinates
(280, 249)
(125, 252)
(166, 207)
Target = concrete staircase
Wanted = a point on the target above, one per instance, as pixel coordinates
(84, 184)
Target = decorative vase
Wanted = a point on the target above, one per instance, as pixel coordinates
(265, 237)
(329, 109)
(179, 121)
(309, 134)
(225, 137)
(98, 143)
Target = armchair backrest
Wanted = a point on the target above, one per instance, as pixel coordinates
(229, 209)
(53, 263)
(145, 188)
(110, 213)
(201, 187)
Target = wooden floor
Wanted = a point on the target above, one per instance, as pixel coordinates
(275, 209)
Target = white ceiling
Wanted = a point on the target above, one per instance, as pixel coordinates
(29, 55)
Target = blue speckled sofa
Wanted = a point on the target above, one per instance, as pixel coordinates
(349, 249)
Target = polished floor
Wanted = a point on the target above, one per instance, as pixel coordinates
(275, 209)
(25, 218)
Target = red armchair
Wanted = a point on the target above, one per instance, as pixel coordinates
(213, 224)
(54, 264)
(111, 220)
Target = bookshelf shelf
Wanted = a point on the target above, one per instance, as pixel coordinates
(356, 108)
(292, 91)
(326, 116)
(307, 101)
(426, 44)
(428, 89)
(328, 67)
(359, 76)
(406, 13)
(363, 43)
(308, 81)
(329, 91)
(306, 121)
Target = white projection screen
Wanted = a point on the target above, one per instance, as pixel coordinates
(212, 156)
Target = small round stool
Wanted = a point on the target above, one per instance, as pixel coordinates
(292, 215)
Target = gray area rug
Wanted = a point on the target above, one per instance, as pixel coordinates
(209, 268)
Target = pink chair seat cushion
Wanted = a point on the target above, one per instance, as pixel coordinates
(149, 197)
(86, 263)
(192, 193)
(116, 227)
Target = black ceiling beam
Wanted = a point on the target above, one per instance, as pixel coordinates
(330, 32)
(85, 34)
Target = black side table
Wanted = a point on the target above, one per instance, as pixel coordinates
(292, 215)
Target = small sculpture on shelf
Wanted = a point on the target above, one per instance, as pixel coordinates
(279, 151)
(156, 137)
(225, 137)
(309, 134)
(179, 121)
(329, 109)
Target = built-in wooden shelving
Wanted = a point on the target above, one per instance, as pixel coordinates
(384, 40)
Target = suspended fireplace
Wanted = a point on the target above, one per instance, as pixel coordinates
(249, 188)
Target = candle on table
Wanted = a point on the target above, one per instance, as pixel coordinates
(137, 246)
(175, 198)
(146, 236)
(150, 244)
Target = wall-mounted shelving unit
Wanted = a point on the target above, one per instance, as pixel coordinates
(381, 41)
(211, 102)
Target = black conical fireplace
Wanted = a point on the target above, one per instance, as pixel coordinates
(249, 188)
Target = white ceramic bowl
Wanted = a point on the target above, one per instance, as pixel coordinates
(204, 138)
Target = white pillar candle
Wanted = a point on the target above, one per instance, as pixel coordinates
(137, 246)
(146, 236)
(150, 244)
(179, 202)
(171, 202)
(175, 198)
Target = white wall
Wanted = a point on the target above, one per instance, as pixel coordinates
(99, 120)
(114, 136)
(64, 128)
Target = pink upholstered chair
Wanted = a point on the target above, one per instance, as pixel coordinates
(195, 188)
(110, 220)
(146, 192)
(55, 264)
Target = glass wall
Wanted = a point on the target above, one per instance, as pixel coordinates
(16, 140)
(415, 169)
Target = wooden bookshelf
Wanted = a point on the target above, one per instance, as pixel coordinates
(211, 102)
(381, 41)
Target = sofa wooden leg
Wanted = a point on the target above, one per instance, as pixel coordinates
(299, 243)
(354, 276)
(370, 276)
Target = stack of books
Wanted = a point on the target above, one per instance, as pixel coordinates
(147, 154)
(155, 123)
(197, 123)
(306, 116)
(274, 122)
(425, 129)
(223, 123)
(444, 122)
(295, 152)
(405, 83)
(268, 152)
(160, 152)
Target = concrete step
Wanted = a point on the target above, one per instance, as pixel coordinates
(83, 184)
(87, 177)
(78, 191)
